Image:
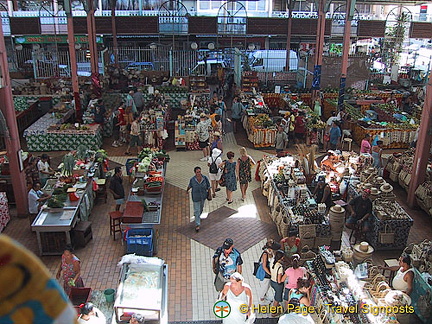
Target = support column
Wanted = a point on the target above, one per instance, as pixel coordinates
(114, 30)
(73, 61)
(94, 61)
(349, 13)
(319, 46)
(12, 139)
(289, 32)
(423, 146)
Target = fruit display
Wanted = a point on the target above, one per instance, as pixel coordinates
(262, 121)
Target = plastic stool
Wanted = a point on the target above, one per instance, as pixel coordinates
(116, 218)
(347, 141)
(390, 263)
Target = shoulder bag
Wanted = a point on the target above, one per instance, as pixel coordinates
(259, 271)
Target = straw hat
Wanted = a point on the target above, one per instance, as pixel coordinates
(217, 134)
(367, 185)
(363, 248)
(375, 191)
(371, 170)
(337, 209)
(380, 180)
(386, 188)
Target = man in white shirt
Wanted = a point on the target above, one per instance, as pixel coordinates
(35, 198)
(45, 171)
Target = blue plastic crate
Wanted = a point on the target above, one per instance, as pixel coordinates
(140, 241)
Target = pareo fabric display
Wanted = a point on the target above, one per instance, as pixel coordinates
(4, 211)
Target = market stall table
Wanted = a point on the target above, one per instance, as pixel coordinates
(41, 137)
(53, 225)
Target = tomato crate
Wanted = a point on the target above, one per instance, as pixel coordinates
(140, 241)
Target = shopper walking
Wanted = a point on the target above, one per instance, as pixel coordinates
(267, 256)
(215, 172)
(226, 260)
(116, 188)
(377, 155)
(130, 103)
(300, 128)
(203, 134)
(335, 135)
(70, 270)
(138, 99)
(244, 171)
(217, 142)
(236, 113)
(281, 139)
(200, 185)
(135, 133)
(276, 271)
(237, 294)
(91, 315)
(45, 171)
(231, 176)
(122, 124)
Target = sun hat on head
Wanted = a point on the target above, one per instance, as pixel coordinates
(237, 276)
(216, 134)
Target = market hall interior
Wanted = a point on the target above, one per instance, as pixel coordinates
(191, 290)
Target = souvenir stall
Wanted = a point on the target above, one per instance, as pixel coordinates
(284, 184)
(259, 127)
(424, 196)
(391, 224)
(184, 132)
(143, 289)
(420, 255)
(52, 132)
(342, 294)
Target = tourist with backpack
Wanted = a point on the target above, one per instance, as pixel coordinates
(214, 171)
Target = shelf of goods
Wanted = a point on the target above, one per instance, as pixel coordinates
(49, 133)
(249, 81)
(184, 133)
(390, 223)
(4, 211)
(340, 297)
(421, 296)
(143, 289)
(198, 84)
(424, 196)
(53, 225)
(291, 202)
(393, 134)
(400, 165)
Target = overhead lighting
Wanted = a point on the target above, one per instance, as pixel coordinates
(211, 46)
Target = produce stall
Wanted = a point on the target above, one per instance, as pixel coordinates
(143, 289)
(54, 224)
(52, 133)
(394, 133)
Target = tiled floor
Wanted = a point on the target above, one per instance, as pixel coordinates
(191, 291)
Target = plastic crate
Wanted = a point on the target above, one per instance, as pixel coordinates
(140, 241)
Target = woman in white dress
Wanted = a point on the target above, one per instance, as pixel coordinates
(237, 293)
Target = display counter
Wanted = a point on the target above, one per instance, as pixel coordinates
(143, 289)
(53, 225)
(399, 227)
(42, 136)
(261, 137)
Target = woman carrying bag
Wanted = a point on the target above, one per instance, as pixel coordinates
(269, 250)
(276, 271)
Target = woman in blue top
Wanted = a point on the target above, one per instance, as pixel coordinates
(301, 294)
(376, 155)
(231, 175)
(200, 186)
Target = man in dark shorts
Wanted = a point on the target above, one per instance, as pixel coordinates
(202, 131)
(360, 209)
(116, 187)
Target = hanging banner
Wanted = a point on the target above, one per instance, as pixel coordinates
(42, 39)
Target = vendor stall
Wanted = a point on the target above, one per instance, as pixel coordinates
(143, 289)
(52, 132)
(53, 225)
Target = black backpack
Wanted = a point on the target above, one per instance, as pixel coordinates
(213, 166)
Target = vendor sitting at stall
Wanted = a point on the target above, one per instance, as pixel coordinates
(360, 209)
(328, 163)
(291, 243)
(322, 192)
(403, 280)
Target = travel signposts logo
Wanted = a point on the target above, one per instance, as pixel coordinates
(221, 309)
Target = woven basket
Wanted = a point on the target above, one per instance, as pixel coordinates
(386, 237)
(283, 226)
